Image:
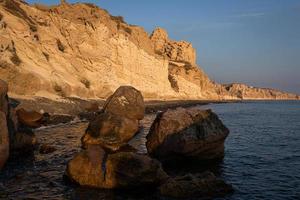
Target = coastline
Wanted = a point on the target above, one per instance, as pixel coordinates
(76, 106)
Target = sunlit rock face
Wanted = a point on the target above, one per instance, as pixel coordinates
(81, 50)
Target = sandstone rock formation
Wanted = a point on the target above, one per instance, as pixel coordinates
(204, 186)
(95, 168)
(81, 50)
(187, 133)
(243, 91)
(119, 121)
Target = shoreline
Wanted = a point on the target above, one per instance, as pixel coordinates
(75, 106)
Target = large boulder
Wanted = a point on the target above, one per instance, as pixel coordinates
(126, 102)
(110, 131)
(204, 186)
(187, 133)
(4, 140)
(93, 167)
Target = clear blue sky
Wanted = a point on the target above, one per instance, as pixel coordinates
(252, 41)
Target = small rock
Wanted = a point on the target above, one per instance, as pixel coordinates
(46, 149)
(30, 119)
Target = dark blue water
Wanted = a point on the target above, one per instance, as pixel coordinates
(262, 158)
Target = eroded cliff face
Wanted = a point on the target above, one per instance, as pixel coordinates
(81, 50)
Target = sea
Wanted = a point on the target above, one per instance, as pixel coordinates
(262, 157)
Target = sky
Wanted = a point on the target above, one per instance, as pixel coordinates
(256, 42)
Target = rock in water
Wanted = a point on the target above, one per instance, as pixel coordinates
(95, 168)
(110, 131)
(118, 122)
(29, 118)
(204, 185)
(3, 97)
(86, 168)
(126, 102)
(187, 133)
(23, 142)
(4, 140)
(131, 170)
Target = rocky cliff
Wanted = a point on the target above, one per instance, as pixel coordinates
(80, 50)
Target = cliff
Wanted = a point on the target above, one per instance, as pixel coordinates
(80, 50)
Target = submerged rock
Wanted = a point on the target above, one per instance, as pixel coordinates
(187, 133)
(96, 168)
(4, 140)
(46, 149)
(110, 131)
(204, 185)
(126, 102)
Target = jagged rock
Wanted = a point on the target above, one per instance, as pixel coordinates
(187, 133)
(176, 51)
(204, 185)
(95, 168)
(4, 140)
(126, 102)
(110, 131)
(29, 118)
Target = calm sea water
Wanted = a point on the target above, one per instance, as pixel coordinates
(262, 158)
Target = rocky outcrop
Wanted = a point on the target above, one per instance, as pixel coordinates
(107, 162)
(61, 51)
(204, 186)
(119, 121)
(187, 133)
(175, 51)
(243, 91)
